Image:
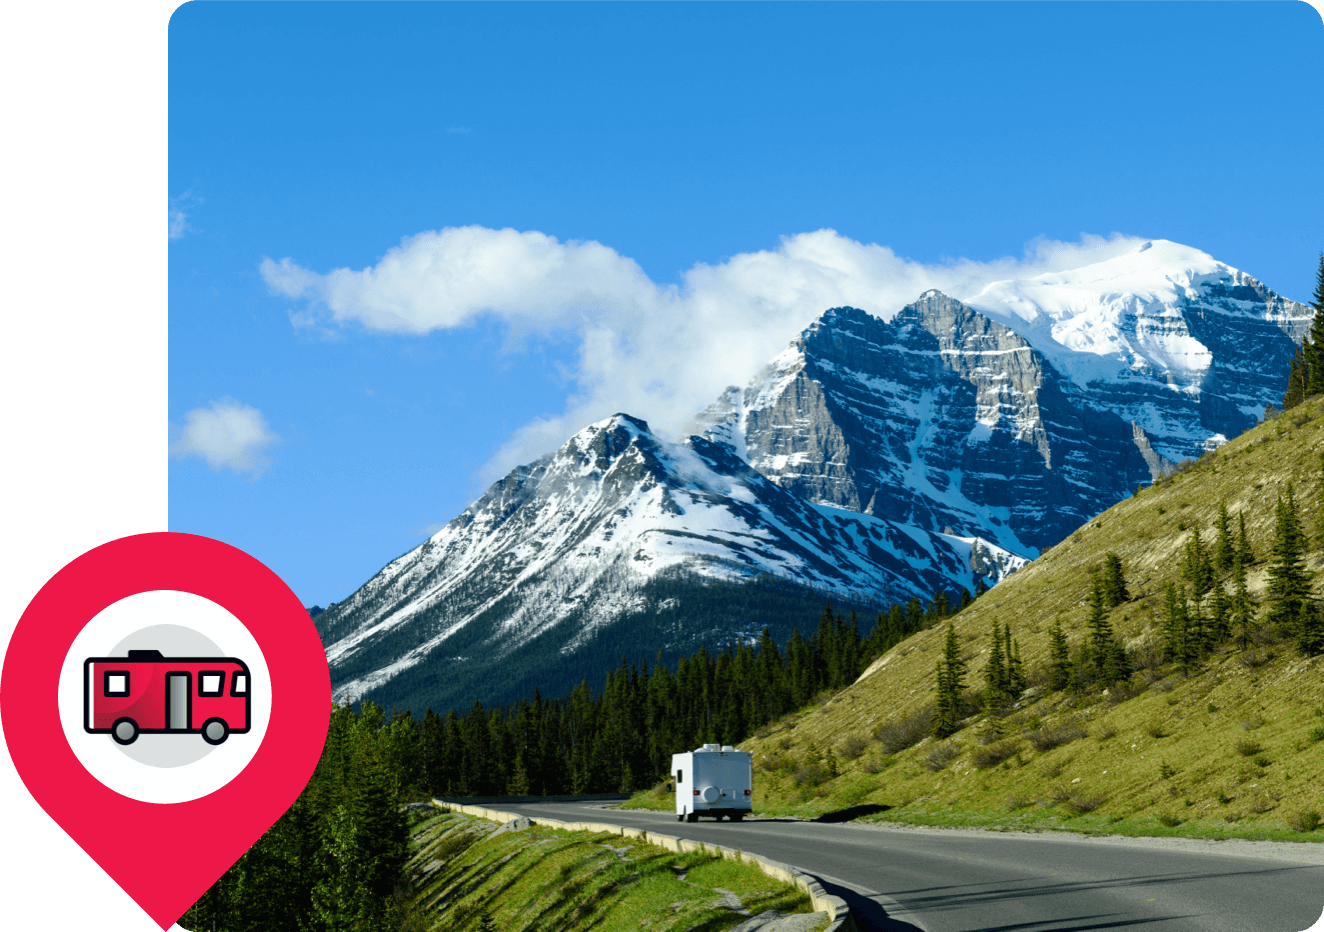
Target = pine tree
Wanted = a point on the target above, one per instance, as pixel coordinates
(914, 615)
(951, 668)
(1314, 342)
(1059, 663)
(1016, 682)
(1196, 566)
(1243, 544)
(1100, 633)
(1175, 646)
(1310, 630)
(1288, 592)
(1197, 630)
(1219, 610)
(364, 844)
(941, 607)
(1297, 373)
(1116, 666)
(1224, 547)
(995, 674)
(270, 885)
(1114, 583)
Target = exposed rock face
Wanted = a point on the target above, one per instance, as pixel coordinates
(1166, 336)
(940, 417)
(1007, 420)
(945, 416)
(576, 534)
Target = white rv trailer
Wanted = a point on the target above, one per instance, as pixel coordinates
(713, 780)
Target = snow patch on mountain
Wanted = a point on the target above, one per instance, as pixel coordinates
(1127, 315)
(581, 530)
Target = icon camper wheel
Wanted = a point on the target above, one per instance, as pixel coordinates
(215, 731)
(124, 731)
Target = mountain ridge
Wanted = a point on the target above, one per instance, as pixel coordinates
(613, 506)
(875, 459)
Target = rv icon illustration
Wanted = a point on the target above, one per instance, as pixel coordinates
(148, 644)
(147, 693)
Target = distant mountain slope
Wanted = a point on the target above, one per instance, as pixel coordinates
(873, 460)
(559, 552)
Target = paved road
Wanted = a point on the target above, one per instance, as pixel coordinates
(969, 881)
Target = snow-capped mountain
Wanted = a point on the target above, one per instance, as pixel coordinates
(1021, 413)
(576, 536)
(870, 461)
(1186, 346)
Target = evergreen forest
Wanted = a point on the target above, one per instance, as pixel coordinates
(334, 861)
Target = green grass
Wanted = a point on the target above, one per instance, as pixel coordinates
(1230, 749)
(544, 879)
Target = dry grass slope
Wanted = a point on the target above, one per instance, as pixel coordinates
(1164, 754)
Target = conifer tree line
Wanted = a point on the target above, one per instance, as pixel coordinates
(334, 862)
(1209, 606)
(1099, 658)
(1306, 373)
(622, 738)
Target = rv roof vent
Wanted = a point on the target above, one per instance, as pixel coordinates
(711, 747)
(727, 747)
(145, 655)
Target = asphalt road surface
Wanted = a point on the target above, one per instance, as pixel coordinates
(936, 880)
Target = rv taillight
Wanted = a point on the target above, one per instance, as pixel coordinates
(696, 792)
(746, 792)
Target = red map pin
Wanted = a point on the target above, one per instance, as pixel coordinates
(165, 698)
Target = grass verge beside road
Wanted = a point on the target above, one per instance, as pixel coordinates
(464, 872)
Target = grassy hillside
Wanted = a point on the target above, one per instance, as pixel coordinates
(1234, 748)
(464, 873)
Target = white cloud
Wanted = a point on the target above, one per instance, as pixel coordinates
(228, 435)
(658, 351)
(179, 224)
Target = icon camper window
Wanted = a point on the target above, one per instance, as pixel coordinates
(116, 683)
(211, 682)
(239, 685)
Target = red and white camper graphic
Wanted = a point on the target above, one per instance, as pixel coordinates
(146, 693)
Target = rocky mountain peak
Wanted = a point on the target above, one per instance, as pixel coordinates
(1006, 420)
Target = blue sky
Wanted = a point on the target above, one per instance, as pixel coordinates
(672, 180)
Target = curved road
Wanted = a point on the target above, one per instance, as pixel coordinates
(972, 881)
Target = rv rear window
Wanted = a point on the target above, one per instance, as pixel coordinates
(117, 682)
(680, 776)
(210, 683)
(240, 685)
